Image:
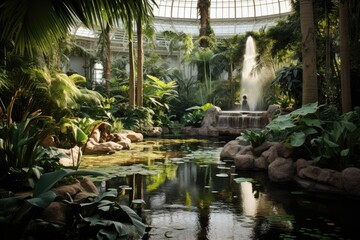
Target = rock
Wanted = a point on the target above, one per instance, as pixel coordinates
(321, 175)
(351, 180)
(270, 155)
(300, 164)
(79, 191)
(246, 150)
(73, 156)
(120, 139)
(272, 111)
(95, 135)
(210, 117)
(154, 132)
(281, 170)
(244, 161)
(58, 213)
(313, 186)
(133, 136)
(230, 149)
(261, 163)
(263, 147)
(93, 147)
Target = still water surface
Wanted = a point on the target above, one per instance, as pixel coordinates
(190, 194)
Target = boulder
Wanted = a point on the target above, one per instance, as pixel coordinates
(133, 136)
(281, 170)
(93, 147)
(244, 161)
(351, 180)
(261, 163)
(121, 139)
(230, 149)
(210, 117)
(77, 192)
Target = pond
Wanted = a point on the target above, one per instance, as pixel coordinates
(189, 193)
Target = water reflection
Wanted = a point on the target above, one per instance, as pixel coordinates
(193, 195)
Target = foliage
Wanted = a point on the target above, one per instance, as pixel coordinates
(339, 145)
(69, 132)
(289, 82)
(284, 38)
(157, 96)
(19, 152)
(297, 128)
(255, 137)
(33, 33)
(331, 143)
(100, 217)
(195, 115)
(285, 102)
(135, 118)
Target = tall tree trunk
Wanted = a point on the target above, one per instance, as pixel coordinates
(140, 63)
(230, 78)
(108, 59)
(131, 74)
(327, 46)
(203, 7)
(345, 57)
(310, 86)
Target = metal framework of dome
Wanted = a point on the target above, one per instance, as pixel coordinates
(227, 18)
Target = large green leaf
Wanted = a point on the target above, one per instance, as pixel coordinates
(306, 109)
(43, 200)
(312, 122)
(280, 123)
(48, 180)
(297, 139)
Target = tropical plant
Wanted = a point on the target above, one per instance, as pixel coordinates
(331, 143)
(40, 31)
(339, 145)
(19, 152)
(297, 128)
(195, 115)
(98, 217)
(255, 137)
(135, 118)
(158, 96)
(289, 82)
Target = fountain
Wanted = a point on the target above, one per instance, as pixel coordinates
(250, 81)
(219, 123)
(237, 121)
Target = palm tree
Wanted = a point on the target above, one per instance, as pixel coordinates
(345, 56)
(310, 88)
(203, 7)
(33, 26)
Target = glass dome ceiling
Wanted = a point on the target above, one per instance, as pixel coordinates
(228, 17)
(222, 9)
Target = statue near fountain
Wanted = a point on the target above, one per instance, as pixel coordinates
(244, 104)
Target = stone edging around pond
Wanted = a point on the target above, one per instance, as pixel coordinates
(276, 159)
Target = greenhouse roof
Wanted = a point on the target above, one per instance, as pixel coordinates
(228, 17)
